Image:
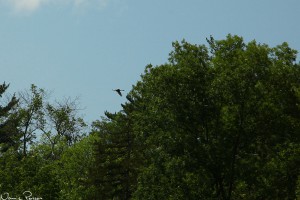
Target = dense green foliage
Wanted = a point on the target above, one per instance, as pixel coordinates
(216, 122)
(8, 121)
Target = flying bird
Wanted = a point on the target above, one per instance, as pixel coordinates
(118, 91)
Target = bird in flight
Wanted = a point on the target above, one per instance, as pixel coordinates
(118, 91)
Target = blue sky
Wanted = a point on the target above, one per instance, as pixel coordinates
(86, 48)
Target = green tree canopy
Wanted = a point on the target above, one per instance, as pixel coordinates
(216, 122)
(8, 121)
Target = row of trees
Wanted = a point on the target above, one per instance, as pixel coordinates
(216, 122)
(40, 149)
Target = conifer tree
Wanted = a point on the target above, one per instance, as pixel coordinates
(8, 121)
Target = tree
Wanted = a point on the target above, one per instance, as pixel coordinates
(72, 170)
(31, 113)
(54, 157)
(8, 121)
(218, 121)
(117, 159)
(61, 124)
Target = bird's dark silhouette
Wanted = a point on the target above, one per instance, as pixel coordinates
(118, 91)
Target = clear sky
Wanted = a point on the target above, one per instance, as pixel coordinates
(86, 48)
